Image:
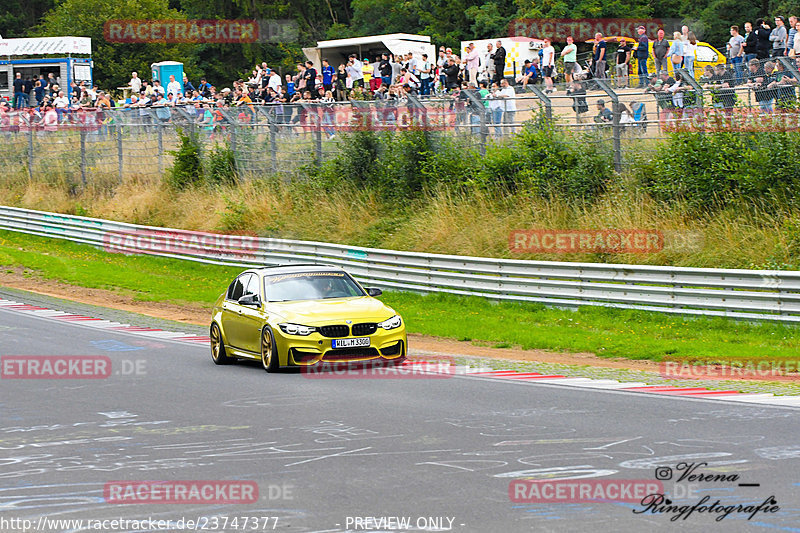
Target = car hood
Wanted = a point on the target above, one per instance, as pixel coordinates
(333, 311)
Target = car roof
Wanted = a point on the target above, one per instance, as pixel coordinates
(296, 269)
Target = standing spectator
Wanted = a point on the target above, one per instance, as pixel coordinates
(762, 32)
(136, 83)
(496, 108)
(441, 63)
(366, 72)
(51, 81)
(188, 88)
(204, 88)
(328, 72)
(642, 53)
(689, 51)
(274, 81)
(158, 89)
(622, 63)
(499, 60)
(19, 91)
(472, 60)
(758, 81)
(796, 45)
(487, 65)
(310, 77)
(548, 64)
(792, 32)
(660, 49)
(750, 44)
(396, 66)
(385, 69)
(570, 54)
(599, 56)
(355, 69)
(341, 83)
(736, 53)
(451, 74)
(509, 103)
(675, 53)
(173, 86)
(778, 38)
(38, 91)
(425, 75)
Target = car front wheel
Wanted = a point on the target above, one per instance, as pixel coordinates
(269, 352)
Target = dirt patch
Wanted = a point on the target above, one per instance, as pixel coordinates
(199, 315)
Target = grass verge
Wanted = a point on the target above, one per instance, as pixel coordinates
(603, 331)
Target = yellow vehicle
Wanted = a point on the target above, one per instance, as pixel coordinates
(706, 55)
(304, 315)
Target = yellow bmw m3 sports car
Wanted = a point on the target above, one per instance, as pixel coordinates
(304, 315)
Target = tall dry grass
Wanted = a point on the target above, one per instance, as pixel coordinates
(442, 221)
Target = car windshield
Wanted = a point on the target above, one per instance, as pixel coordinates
(310, 286)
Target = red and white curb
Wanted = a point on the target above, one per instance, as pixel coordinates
(509, 375)
(98, 323)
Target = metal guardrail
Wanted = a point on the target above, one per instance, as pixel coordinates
(745, 294)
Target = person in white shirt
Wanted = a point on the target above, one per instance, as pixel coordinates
(135, 83)
(487, 64)
(425, 75)
(509, 103)
(548, 64)
(274, 81)
(355, 70)
(173, 86)
(158, 89)
(472, 60)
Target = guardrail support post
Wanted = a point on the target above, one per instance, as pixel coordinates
(616, 132)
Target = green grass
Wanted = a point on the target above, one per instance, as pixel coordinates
(603, 331)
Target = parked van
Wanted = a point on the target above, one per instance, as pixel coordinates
(705, 55)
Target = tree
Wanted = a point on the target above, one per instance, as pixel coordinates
(114, 62)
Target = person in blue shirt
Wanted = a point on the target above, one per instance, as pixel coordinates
(289, 85)
(328, 72)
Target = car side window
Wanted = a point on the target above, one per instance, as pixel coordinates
(252, 285)
(236, 290)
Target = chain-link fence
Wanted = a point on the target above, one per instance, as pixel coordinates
(266, 139)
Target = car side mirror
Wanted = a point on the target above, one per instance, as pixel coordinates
(372, 291)
(250, 299)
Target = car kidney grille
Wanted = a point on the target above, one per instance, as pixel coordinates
(334, 331)
(368, 328)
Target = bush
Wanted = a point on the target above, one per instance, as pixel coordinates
(220, 166)
(709, 170)
(187, 169)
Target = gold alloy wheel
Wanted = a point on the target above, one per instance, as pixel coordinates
(217, 348)
(269, 359)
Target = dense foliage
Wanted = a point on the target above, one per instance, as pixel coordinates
(446, 21)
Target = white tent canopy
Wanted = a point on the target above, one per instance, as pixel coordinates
(337, 51)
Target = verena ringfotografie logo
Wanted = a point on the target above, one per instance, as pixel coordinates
(179, 492)
(181, 242)
(439, 367)
(582, 490)
(55, 367)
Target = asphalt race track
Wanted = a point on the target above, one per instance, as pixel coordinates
(360, 454)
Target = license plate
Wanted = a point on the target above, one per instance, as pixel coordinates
(350, 343)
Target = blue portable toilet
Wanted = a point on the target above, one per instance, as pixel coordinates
(164, 69)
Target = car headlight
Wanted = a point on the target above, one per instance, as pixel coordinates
(297, 329)
(392, 323)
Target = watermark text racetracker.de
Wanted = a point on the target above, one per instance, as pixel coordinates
(68, 367)
(183, 242)
(200, 31)
(437, 367)
(200, 523)
(181, 492)
(755, 370)
(602, 241)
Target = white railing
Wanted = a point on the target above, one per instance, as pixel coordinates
(746, 294)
